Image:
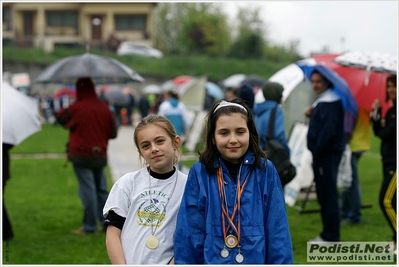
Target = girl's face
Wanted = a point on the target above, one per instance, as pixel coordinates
(231, 137)
(391, 90)
(157, 148)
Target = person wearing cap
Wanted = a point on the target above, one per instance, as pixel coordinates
(273, 93)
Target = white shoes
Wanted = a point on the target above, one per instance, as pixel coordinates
(318, 240)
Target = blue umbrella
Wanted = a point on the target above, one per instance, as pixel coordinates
(214, 90)
(339, 84)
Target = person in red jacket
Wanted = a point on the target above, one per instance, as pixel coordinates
(91, 124)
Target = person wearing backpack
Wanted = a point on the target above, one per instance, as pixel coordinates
(273, 93)
(269, 120)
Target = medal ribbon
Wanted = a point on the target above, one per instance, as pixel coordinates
(237, 205)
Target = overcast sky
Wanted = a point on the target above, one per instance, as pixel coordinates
(365, 26)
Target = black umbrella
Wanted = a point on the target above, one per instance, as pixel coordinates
(103, 70)
(115, 97)
(254, 81)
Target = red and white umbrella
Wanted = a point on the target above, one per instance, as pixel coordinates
(366, 83)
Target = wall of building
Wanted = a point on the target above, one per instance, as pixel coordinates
(43, 37)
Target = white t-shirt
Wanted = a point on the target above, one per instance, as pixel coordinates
(130, 198)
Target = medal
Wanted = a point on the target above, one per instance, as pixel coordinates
(224, 253)
(152, 242)
(231, 241)
(239, 258)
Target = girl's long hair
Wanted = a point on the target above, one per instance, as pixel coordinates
(210, 152)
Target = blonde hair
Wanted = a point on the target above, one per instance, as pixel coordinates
(163, 123)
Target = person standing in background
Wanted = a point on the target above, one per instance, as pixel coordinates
(175, 111)
(8, 233)
(144, 105)
(91, 124)
(273, 93)
(359, 143)
(385, 129)
(130, 105)
(326, 142)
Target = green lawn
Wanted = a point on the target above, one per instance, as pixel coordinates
(44, 207)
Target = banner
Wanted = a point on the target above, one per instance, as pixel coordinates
(301, 157)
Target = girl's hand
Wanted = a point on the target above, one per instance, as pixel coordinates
(172, 261)
(376, 104)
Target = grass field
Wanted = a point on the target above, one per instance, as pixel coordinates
(43, 205)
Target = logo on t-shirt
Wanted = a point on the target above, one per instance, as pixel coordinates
(152, 211)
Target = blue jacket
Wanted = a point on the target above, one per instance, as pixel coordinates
(326, 127)
(265, 235)
(262, 117)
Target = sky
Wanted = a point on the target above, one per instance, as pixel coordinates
(365, 26)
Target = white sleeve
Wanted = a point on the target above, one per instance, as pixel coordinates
(118, 200)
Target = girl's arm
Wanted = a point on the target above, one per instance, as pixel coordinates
(277, 231)
(114, 246)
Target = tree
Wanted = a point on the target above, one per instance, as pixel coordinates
(251, 36)
(192, 28)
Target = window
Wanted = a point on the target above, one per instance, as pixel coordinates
(62, 18)
(130, 22)
(7, 17)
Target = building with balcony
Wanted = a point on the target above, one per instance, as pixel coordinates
(49, 24)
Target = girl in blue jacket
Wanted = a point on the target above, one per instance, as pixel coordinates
(233, 208)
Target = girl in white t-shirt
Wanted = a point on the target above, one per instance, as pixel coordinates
(142, 206)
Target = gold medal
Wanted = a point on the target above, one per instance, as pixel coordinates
(231, 241)
(152, 242)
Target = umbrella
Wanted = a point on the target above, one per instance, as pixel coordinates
(254, 81)
(371, 61)
(233, 81)
(114, 96)
(181, 80)
(152, 89)
(339, 85)
(65, 91)
(103, 70)
(177, 84)
(20, 116)
(367, 82)
(214, 90)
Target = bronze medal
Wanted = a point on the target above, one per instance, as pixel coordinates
(231, 241)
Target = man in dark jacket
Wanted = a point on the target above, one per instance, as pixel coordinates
(326, 141)
(91, 124)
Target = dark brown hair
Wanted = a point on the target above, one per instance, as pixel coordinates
(391, 78)
(210, 152)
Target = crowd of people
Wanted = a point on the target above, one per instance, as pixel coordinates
(230, 207)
